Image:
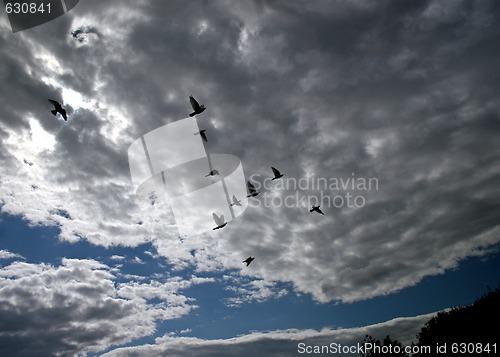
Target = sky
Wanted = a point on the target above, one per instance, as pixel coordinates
(383, 113)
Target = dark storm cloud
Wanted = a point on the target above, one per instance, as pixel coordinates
(413, 93)
(185, 62)
(318, 90)
(403, 92)
(87, 154)
(20, 94)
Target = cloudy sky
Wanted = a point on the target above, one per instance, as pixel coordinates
(386, 113)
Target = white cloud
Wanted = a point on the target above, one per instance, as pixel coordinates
(5, 254)
(276, 343)
(138, 260)
(251, 291)
(76, 307)
(117, 257)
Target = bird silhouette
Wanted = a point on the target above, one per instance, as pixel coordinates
(252, 191)
(58, 109)
(235, 201)
(212, 173)
(277, 173)
(219, 221)
(248, 260)
(196, 107)
(316, 209)
(202, 133)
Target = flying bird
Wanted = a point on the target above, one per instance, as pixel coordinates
(202, 133)
(277, 173)
(252, 191)
(235, 201)
(212, 173)
(58, 109)
(219, 221)
(316, 209)
(248, 260)
(196, 107)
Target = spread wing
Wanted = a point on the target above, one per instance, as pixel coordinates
(276, 172)
(219, 221)
(54, 103)
(236, 202)
(251, 187)
(194, 103)
(63, 113)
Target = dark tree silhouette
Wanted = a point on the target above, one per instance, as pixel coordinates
(466, 330)
(472, 324)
